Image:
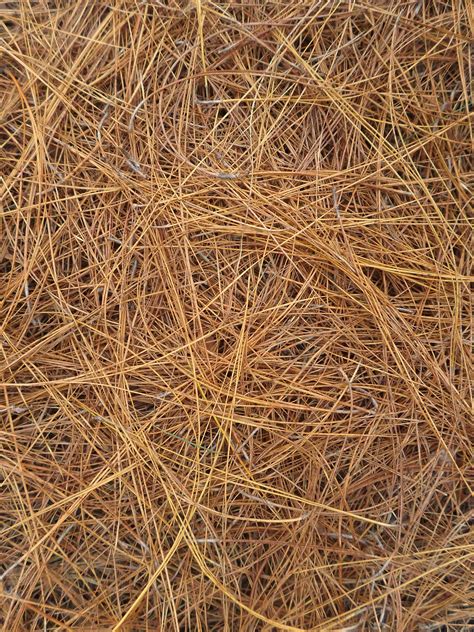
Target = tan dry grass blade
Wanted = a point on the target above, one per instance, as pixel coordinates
(235, 315)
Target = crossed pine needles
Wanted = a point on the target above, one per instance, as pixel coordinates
(235, 245)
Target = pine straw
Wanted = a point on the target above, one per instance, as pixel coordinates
(235, 265)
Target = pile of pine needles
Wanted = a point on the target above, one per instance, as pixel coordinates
(235, 315)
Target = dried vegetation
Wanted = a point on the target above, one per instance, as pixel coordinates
(235, 244)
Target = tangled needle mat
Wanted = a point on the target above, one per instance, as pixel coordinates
(236, 247)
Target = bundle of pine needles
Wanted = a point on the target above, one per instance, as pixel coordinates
(235, 315)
